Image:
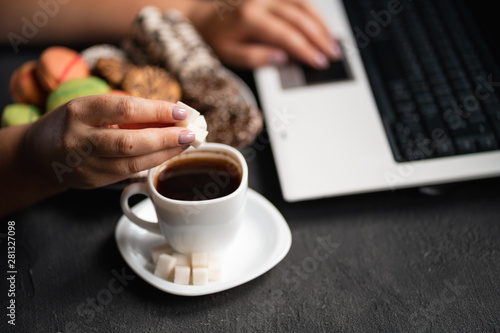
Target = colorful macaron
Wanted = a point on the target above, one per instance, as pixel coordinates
(58, 64)
(18, 114)
(70, 89)
(24, 85)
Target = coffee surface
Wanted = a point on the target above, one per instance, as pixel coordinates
(199, 179)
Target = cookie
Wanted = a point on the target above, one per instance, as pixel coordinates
(102, 51)
(155, 40)
(153, 83)
(18, 114)
(58, 64)
(136, 53)
(113, 70)
(199, 56)
(24, 85)
(172, 42)
(70, 89)
(213, 90)
(236, 124)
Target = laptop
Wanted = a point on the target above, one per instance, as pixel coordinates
(415, 102)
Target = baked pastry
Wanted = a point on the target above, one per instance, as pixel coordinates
(113, 70)
(153, 83)
(198, 58)
(213, 90)
(135, 52)
(236, 124)
(171, 41)
(101, 51)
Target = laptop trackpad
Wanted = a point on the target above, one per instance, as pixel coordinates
(296, 75)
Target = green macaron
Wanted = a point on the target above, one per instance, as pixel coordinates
(18, 114)
(70, 89)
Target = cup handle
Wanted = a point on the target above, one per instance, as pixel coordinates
(130, 190)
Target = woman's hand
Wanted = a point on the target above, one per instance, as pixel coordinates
(253, 33)
(98, 140)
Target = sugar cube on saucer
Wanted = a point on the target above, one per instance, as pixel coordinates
(159, 249)
(199, 259)
(182, 259)
(197, 268)
(182, 274)
(200, 276)
(165, 266)
(214, 269)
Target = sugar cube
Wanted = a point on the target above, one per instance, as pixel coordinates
(193, 114)
(159, 249)
(182, 274)
(196, 123)
(200, 134)
(214, 269)
(199, 259)
(200, 276)
(165, 266)
(201, 122)
(182, 259)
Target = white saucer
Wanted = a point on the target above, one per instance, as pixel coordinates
(262, 242)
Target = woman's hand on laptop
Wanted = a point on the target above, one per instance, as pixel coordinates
(243, 33)
(254, 33)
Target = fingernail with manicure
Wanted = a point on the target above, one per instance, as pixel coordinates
(186, 137)
(335, 50)
(321, 61)
(278, 58)
(179, 113)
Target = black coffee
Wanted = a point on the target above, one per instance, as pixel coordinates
(198, 179)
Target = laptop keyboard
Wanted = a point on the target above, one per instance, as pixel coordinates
(431, 76)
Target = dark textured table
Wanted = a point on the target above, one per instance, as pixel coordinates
(400, 261)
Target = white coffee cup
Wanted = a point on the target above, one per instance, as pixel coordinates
(194, 226)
